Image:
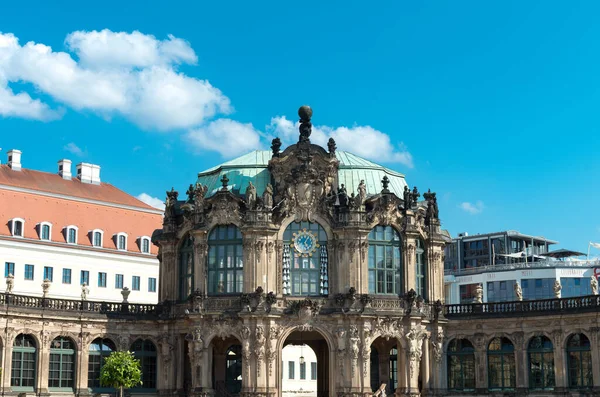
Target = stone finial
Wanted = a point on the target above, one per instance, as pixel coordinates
(125, 293)
(224, 181)
(331, 146)
(276, 146)
(385, 182)
(305, 113)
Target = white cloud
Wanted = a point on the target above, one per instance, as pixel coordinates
(228, 137)
(472, 208)
(73, 148)
(364, 141)
(127, 74)
(151, 201)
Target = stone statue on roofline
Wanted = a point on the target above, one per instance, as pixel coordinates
(251, 195)
(594, 285)
(10, 283)
(557, 288)
(518, 291)
(305, 113)
(407, 198)
(268, 197)
(478, 294)
(85, 291)
(362, 192)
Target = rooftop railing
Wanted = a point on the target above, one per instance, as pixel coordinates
(590, 303)
(543, 264)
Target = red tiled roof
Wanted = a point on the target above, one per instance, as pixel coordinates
(54, 183)
(34, 209)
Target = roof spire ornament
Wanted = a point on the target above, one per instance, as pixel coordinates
(224, 181)
(276, 146)
(305, 113)
(331, 146)
(385, 182)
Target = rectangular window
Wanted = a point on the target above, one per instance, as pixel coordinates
(119, 281)
(97, 239)
(135, 283)
(45, 232)
(145, 246)
(85, 277)
(66, 276)
(72, 236)
(18, 229)
(28, 272)
(102, 279)
(9, 268)
(48, 273)
(313, 371)
(291, 369)
(302, 370)
(121, 242)
(151, 284)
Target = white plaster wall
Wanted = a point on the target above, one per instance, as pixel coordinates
(76, 259)
(298, 387)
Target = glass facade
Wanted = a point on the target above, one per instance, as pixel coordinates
(537, 288)
(385, 261)
(225, 261)
(467, 293)
(501, 291)
(575, 287)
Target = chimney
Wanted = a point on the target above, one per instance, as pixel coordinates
(64, 169)
(88, 173)
(14, 159)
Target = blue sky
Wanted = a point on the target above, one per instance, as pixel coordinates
(494, 105)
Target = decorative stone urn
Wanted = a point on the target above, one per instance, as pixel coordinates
(125, 292)
(46, 287)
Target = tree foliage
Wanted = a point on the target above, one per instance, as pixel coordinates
(121, 370)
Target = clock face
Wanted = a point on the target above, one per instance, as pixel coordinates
(305, 243)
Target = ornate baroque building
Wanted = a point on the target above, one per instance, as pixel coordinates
(271, 249)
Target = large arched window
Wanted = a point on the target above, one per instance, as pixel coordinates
(99, 350)
(186, 268)
(385, 261)
(461, 365)
(579, 361)
(421, 269)
(501, 364)
(62, 364)
(24, 357)
(233, 370)
(225, 261)
(305, 260)
(541, 363)
(145, 351)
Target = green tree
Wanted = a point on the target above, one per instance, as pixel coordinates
(121, 370)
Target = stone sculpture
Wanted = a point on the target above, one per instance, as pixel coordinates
(84, 292)
(268, 197)
(594, 285)
(10, 283)
(251, 195)
(518, 291)
(478, 294)
(557, 288)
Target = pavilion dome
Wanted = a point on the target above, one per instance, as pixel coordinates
(253, 167)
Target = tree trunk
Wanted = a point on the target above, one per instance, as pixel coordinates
(121, 391)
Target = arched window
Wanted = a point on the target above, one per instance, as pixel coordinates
(17, 227)
(385, 261)
(541, 363)
(186, 268)
(305, 260)
(579, 361)
(233, 370)
(421, 269)
(45, 231)
(62, 364)
(145, 351)
(145, 246)
(97, 238)
(24, 359)
(501, 364)
(99, 349)
(225, 260)
(461, 365)
(374, 369)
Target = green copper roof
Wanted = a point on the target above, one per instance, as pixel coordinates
(253, 167)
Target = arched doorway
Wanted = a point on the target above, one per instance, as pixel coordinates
(384, 364)
(310, 345)
(227, 366)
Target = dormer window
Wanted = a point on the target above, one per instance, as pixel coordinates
(17, 226)
(145, 244)
(71, 234)
(121, 241)
(45, 230)
(97, 237)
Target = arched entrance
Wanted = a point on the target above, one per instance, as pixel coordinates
(227, 366)
(305, 343)
(385, 365)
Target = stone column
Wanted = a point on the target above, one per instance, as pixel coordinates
(521, 363)
(437, 373)
(409, 260)
(168, 288)
(7, 358)
(594, 339)
(401, 371)
(200, 261)
(81, 386)
(425, 366)
(481, 376)
(43, 363)
(414, 339)
(560, 362)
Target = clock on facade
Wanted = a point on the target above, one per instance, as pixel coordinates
(305, 243)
